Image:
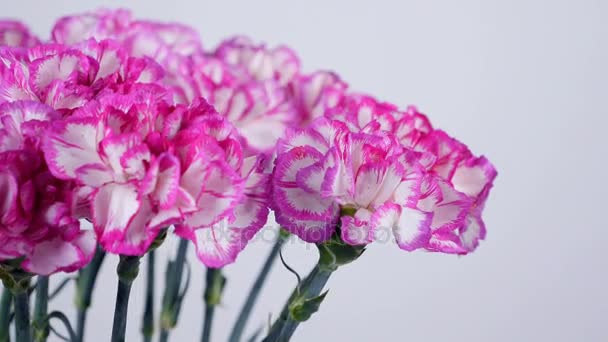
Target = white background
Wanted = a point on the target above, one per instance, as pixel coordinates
(522, 82)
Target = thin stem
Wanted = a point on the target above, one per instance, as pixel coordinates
(306, 299)
(127, 271)
(66, 322)
(120, 311)
(214, 285)
(84, 291)
(207, 324)
(171, 303)
(81, 320)
(40, 322)
(311, 287)
(239, 326)
(23, 331)
(148, 320)
(5, 311)
(60, 288)
(164, 335)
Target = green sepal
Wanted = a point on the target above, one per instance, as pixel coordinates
(13, 277)
(334, 253)
(128, 268)
(284, 234)
(215, 286)
(158, 241)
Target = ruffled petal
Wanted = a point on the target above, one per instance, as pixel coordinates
(9, 192)
(318, 92)
(167, 184)
(410, 226)
(446, 242)
(72, 144)
(356, 230)
(94, 175)
(314, 231)
(473, 231)
(368, 183)
(216, 246)
(292, 199)
(114, 207)
(16, 34)
(114, 149)
(449, 206)
(65, 66)
(216, 188)
(98, 25)
(58, 255)
(473, 176)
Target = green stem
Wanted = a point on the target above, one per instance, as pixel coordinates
(239, 326)
(127, 271)
(84, 291)
(164, 335)
(80, 324)
(40, 322)
(306, 298)
(214, 286)
(207, 324)
(148, 320)
(23, 331)
(171, 303)
(5, 311)
(311, 287)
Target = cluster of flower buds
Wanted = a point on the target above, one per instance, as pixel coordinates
(135, 127)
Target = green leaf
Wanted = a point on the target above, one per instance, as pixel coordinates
(301, 310)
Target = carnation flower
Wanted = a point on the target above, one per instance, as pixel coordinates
(258, 62)
(220, 243)
(148, 165)
(316, 93)
(37, 214)
(139, 37)
(456, 200)
(370, 167)
(261, 110)
(16, 34)
(67, 77)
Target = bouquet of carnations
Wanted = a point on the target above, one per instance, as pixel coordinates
(133, 126)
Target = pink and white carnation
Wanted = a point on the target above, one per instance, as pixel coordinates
(261, 110)
(258, 62)
(37, 217)
(67, 77)
(368, 167)
(456, 183)
(314, 94)
(144, 172)
(16, 34)
(326, 170)
(218, 242)
(166, 43)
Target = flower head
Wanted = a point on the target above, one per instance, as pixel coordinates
(37, 214)
(367, 167)
(15, 34)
